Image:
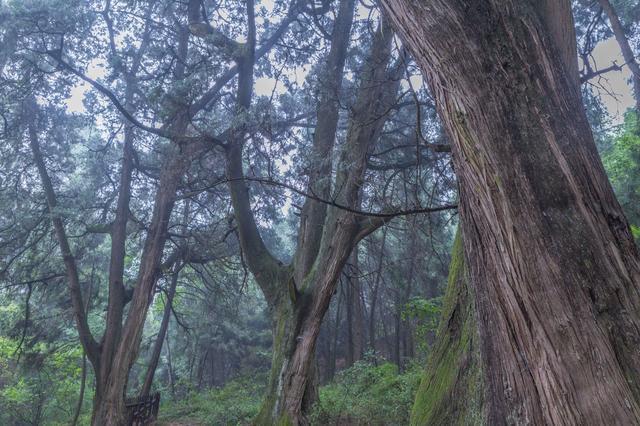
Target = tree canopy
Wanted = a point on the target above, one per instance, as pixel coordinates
(294, 212)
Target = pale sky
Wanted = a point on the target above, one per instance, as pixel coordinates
(616, 92)
(617, 83)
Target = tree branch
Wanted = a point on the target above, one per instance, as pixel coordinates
(390, 214)
(199, 28)
(592, 74)
(84, 333)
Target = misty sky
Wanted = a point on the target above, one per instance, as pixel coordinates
(613, 88)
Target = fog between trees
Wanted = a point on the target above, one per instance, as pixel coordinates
(329, 212)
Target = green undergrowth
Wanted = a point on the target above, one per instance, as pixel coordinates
(365, 394)
(368, 394)
(237, 403)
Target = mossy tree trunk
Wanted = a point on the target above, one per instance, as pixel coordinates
(553, 267)
(451, 391)
(286, 317)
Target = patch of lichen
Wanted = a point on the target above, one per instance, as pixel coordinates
(450, 392)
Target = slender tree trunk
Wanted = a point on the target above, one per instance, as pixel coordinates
(116, 294)
(350, 355)
(201, 365)
(374, 293)
(322, 361)
(172, 381)
(336, 336)
(212, 367)
(625, 47)
(551, 260)
(83, 381)
(396, 339)
(355, 325)
(103, 367)
(160, 338)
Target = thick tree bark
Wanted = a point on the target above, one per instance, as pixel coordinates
(551, 260)
(285, 322)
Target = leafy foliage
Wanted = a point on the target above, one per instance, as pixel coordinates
(426, 314)
(236, 403)
(622, 163)
(364, 394)
(219, 324)
(368, 394)
(43, 388)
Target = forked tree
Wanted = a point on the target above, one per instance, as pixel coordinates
(331, 223)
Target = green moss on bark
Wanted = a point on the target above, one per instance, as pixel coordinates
(283, 319)
(450, 392)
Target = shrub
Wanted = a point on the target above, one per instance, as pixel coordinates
(366, 394)
(237, 403)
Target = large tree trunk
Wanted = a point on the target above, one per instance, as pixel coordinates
(300, 306)
(343, 229)
(312, 303)
(551, 260)
(124, 339)
(287, 317)
(312, 220)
